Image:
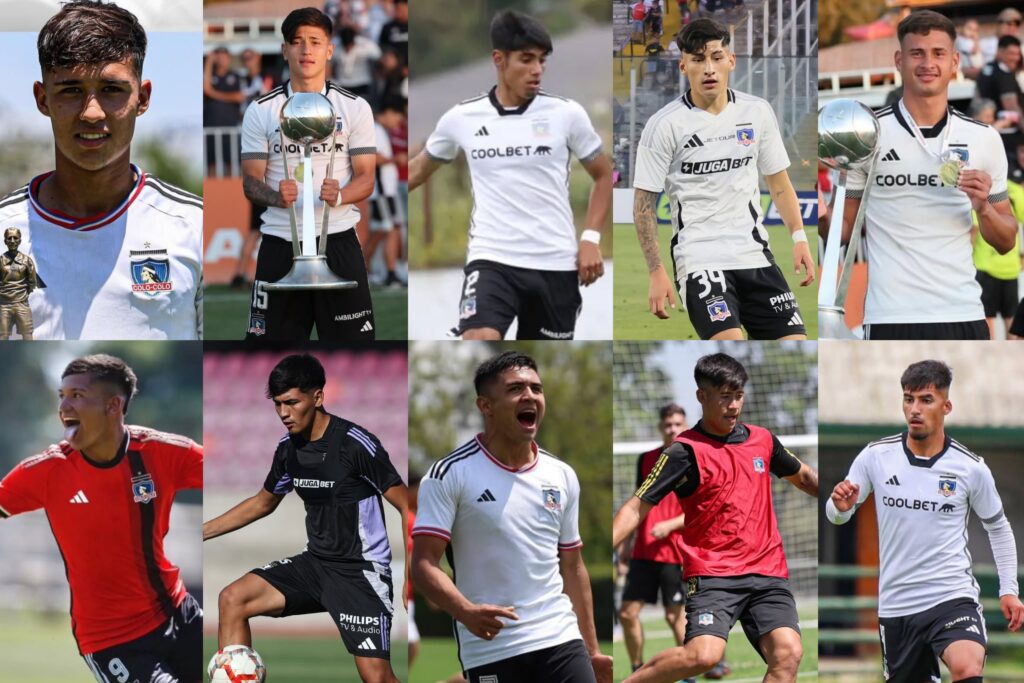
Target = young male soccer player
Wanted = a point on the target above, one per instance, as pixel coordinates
(507, 514)
(705, 151)
(926, 485)
(921, 282)
(118, 252)
(340, 471)
(524, 260)
(733, 561)
(339, 314)
(107, 491)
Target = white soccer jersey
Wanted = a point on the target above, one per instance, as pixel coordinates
(133, 273)
(922, 506)
(261, 139)
(918, 231)
(708, 166)
(506, 528)
(519, 162)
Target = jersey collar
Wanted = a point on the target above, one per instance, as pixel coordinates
(924, 462)
(690, 104)
(91, 222)
(492, 95)
(739, 433)
(525, 468)
(288, 92)
(932, 132)
(117, 458)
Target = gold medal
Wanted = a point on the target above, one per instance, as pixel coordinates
(300, 171)
(949, 172)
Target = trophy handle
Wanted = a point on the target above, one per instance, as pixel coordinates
(291, 209)
(830, 265)
(322, 247)
(858, 224)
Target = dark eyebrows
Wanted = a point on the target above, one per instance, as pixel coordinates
(79, 81)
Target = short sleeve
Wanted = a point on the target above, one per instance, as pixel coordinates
(996, 167)
(675, 468)
(983, 497)
(654, 155)
(362, 135)
(437, 504)
(584, 142)
(24, 488)
(255, 144)
(569, 535)
(443, 143)
(771, 152)
(278, 481)
(371, 460)
(190, 467)
(783, 463)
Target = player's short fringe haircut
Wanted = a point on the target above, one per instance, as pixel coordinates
(91, 32)
(511, 30)
(697, 34)
(307, 16)
(302, 372)
(718, 371)
(924, 22)
(109, 370)
(927, 373)
(1008, 41)
(492, 367)
(671, 409)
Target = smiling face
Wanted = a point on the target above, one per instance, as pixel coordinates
(297, 409)
(721, 408)
(92, 110)
(708, 71)
(925, 411)
(927, 62)
(521, 70)
(90, 411)
(308, 53)
(513, 404)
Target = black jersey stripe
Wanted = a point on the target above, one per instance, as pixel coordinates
(173, 188)
(270, 95)
(765, 249)
(889, 439)
(963, 449)
(458, 451)
(339, 89)
(444, 469)
(474, 99)
(175, 198)
(3, 513)
(965, 117)
(12, 199)
(147, 513)
(551, 94)
(67, 577)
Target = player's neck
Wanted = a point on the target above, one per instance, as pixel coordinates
(109, 448)
(315, 84)
(319, 426)
(926, 111)
(712, 105)
(930, 447)
(77, 192)
(514, 454)
(507, 98)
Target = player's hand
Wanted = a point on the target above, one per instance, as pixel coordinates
(602, 665)
(330, 190)
(976, 185)
(1013, 610)
(659, 290)
(802, 258)
(482, 620)
(662, 529)
(289, 190)
(589, 263)
(844, 495)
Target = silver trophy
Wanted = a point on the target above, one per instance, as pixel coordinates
(848, 135)
(308, 118)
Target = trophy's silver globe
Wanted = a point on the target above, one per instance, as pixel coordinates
(307, 117)
(847, 134)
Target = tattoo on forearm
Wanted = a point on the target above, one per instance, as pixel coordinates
(258, 192)
(644, 209)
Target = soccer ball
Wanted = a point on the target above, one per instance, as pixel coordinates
(847, 134)
(236, 664)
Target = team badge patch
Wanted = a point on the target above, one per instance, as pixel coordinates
(718, 310)
(541, 128)
(143, 488)
(552, 497)
(257, 325)
(152, 275)
(745, 136)
(947, 484)
(705, 619)
(759, 465)
(962, 152)
(468, 308)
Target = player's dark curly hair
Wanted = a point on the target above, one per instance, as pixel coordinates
(491, 368)
(923, 22)
(511, 30)
(671, 409)
(719, 371)
(697, 34)
(307, 16)
(302, 372)
(91, 32)
(926, 373)
(109, 370)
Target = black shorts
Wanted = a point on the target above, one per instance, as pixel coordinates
(1017, 327)
(999, 297)
(547, 302)
(975, 329)
(172, 653)
(760, 603)
(358, 596)
(759, 299)
(339, 315)
(911, 645)
(565, 663)
(646, 578)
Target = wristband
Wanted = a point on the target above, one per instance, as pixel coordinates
(591, 236)
(799, 236)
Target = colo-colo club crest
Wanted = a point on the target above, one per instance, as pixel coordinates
(143, 488)
(151, 271)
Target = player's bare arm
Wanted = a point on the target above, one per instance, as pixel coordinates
(421, 167)
(258, 192)
(844, 495)
(246, 512)
(398, 496)
(806, 480)
(668, 526)
(359, 187)
(432, 581)
(576, 584)
(628, 518)
(996, 221)
(589, 261)
(784, 196)
(645, 218)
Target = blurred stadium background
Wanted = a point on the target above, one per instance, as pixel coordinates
(858, 41)
(243, 38)
(35, 624)
(450, 56)
(781, 395)
(860, 402)
(366, 385)
(577, 429)
(776, 45)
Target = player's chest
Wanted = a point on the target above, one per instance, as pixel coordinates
(321, 480)
(931, 496)
(495, 142)
(714, 152)
(507, 506)
(104, 498)
(909, 167)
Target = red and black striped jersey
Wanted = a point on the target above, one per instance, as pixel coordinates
(109, 520)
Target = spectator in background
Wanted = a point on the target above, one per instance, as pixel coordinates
(656, 18)
(222, 107)
(254, 82)
(638, 13)
(394, 35)
(392, 76)
(353, 62)
(399, 135)
(968, 44)
(386, 218)
(1009, 25)
(998, 83)
(254, 85)
(985, 111)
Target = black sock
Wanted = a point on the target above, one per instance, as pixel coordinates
(637, 666)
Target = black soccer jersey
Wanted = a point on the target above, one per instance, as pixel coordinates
(340, 479)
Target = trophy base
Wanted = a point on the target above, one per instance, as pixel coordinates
(310, 273)
(832, 323)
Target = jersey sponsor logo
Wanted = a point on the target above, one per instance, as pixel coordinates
(907, 180)
(948, 507)
(352, 316)
(482, 132)
(357, 623)
(552, 497)
(257, 325)
(958, 621)
(891, 155)
(910, 504)
(143, 488)
(312, 483)
(277, 563)
(694, 141)
(745, 136)
(151, 275)
(893, 481)
(542, 150)
(296, 148)
(507, 152)
(713, 166)
(551, 334)
(759, 465)
(718, 310)
(947, 484)
(705, 618)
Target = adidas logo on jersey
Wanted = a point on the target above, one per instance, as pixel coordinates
(795, 320)
(893, 481)
(79, 498)
(486, 497)
(482, 131)
(891, 155)
(367, 327)
(694, 141)
(367, 645)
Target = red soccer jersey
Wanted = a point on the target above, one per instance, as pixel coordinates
(110, 520)
(647, 547)
(400, 145)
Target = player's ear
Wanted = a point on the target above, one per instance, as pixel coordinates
(499, 58)
(898, 59)
(318, 398)
(39, 92)
(483, 404)
(701, 396)
(330, 51)
(947, 407)
(145, 93)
